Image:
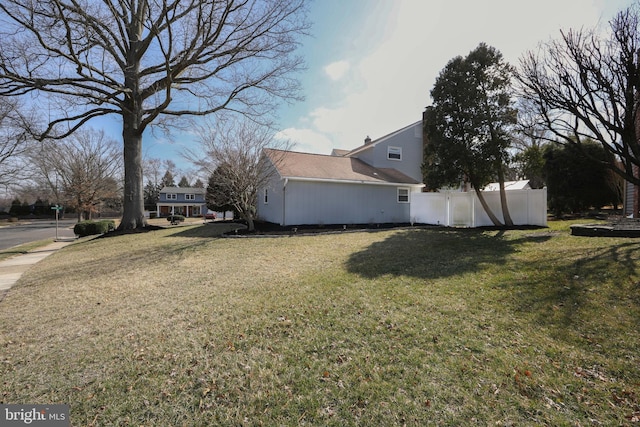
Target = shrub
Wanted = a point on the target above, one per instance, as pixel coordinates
(19, 209)
(88, 228)
(577, 182)
(174, 219)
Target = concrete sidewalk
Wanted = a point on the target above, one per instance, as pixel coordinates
(11, 269)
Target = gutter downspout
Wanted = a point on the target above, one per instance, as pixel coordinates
(284, 201)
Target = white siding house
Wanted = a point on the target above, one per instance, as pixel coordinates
(401, 150)
(371, 184)
(375, 183)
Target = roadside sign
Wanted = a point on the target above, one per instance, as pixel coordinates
(57, 209)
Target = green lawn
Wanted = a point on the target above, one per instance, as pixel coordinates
(419, 327)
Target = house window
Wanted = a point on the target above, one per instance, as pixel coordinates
(189, 196)
(403, 195)
(171, 196)
(266, 196)
(394, 153)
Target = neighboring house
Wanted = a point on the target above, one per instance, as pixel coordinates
(187, 201)
(371, 184)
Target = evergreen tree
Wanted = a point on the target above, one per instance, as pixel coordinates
(184, 182)
(529, 164)
(168, 180)
(41, 207)
(219, 194)
(16, 207)
(576, 181)
(151, 195)
(468, 125)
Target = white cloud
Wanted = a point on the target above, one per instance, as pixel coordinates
(389, 84)
(306, 140)
(337, 70)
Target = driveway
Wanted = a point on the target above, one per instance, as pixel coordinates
(31, 231)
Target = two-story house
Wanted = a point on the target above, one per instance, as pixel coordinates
(372, 183)
(187, 201)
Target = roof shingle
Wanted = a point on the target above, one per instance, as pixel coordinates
(291, 164)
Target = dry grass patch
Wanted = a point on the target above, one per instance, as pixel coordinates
(417, 327)
(23, 249)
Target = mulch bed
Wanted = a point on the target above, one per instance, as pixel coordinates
(271, 229)
(617, 227)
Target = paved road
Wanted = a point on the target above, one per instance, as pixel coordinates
(13, 235)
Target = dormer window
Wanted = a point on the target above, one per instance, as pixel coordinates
(189, 196)
(394, 153)
(172, 196)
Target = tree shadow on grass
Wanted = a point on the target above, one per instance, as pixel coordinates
(568, 288)
(117, 233)
(560, 287)
(205, 230)
(434, 253)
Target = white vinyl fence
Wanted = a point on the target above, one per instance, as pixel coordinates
(457, 209)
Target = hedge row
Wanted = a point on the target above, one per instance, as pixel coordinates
(88, 228)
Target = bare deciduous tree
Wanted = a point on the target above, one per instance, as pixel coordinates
(13, 142)
(147, 61)
(233, 152)
(152, 187)
(82, 170)
(151, 168)
(587, 86)
(530, 130)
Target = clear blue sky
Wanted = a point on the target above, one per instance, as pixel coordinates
(372, 63)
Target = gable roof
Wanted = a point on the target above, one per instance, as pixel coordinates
(376, 141)
(339, 152)
(319, 167)
(183, 190)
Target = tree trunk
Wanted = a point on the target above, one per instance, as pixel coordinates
(247, 215)
(133, 215)
(503, 199)
(494, 219)
(250, 223)
(132, 129)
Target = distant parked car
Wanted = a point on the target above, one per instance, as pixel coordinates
(210, 215)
